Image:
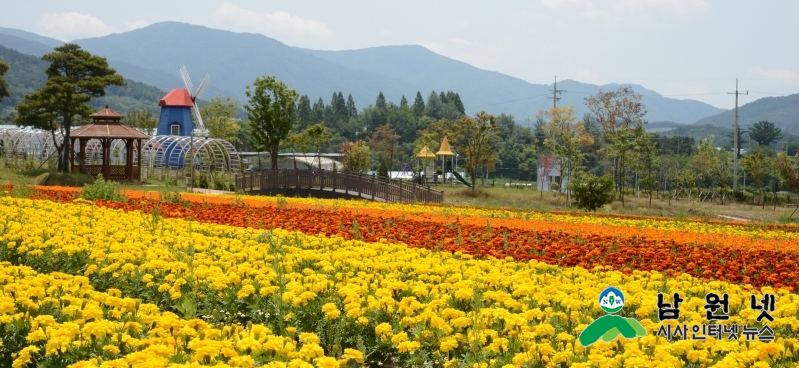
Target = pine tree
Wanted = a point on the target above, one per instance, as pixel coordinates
(433, 109)
(381, 101)
(319, 111)
(418, 105)
(304, 113)
(403, 103)
(443, 98)
(456, 100)
(340, 112)
(352, 111)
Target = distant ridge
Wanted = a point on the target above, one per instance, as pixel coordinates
(782, 111)
(154, 54)
(47, 41)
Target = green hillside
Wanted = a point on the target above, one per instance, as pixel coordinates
(27, 74)
(782, 111)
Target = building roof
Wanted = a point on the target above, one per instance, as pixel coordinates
(177, 97)
(445, 150)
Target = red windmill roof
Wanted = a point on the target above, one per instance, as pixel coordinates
(177, 97)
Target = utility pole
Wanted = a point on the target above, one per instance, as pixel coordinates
(735, 138)
(555, 93)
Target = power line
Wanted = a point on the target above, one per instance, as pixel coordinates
(504, 102)
(555, 92)
(735, 141)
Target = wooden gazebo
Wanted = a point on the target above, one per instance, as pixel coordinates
(98, 137)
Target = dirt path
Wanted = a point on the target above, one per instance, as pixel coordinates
(734, 218)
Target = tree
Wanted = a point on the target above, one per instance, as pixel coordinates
(313, 139)
(271, 110)
(219, 118)
(566, 137)
(73, 78)
(356, 156)
(382, 169)
(475, 135)
(789, 172)
(434, 106)
(757, 166)
(617, 112)
(4, 92)
(352, 111)
(386, 143)
(403, 102)
(592, 192)
(764, 133)
(418, 105)
(142, 120)
(455, 100)
(42, 111)
(646, 155)
(304, 112)
(318, 111)
(381, 101)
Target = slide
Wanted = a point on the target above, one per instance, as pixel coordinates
(462, 180)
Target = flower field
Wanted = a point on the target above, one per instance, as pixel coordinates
(278, 282)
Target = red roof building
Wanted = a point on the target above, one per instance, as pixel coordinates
(177, 97)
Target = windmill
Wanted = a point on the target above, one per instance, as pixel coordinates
(179, 105)
(199, 129)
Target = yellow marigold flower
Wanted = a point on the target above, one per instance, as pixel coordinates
(447, 344)
(408, 346)
(363, 321)
(111, 349)
(326, 362)
(331, 311)
(383, 329)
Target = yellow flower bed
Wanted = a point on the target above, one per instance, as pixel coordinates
(219, 295)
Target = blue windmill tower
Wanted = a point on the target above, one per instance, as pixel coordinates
(177, 107)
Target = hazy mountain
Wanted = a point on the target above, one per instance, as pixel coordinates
(47, 41)
(782, 111)
(495, 92)
(24, 46)
(234, 60)
(26, 74)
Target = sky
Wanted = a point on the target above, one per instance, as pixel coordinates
(685, 49)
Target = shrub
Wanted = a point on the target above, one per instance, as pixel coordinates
(592, 192)
(102, 189)
(382, 169)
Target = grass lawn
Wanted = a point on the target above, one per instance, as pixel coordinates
(513, 198)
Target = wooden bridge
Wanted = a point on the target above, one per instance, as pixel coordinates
(334, 184)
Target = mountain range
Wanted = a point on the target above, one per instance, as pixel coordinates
(154, 54)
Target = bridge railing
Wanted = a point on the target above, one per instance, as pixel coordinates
(369, 186)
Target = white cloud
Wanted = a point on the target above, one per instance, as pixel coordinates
(137, 24)
(778, 74)
(71, 25)
(278, 21)
(461, 41)
(432, 46)
(582, 75)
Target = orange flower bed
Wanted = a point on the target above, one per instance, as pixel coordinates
(711, 256)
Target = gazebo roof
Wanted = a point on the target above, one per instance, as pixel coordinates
(106, 113)
(107, 124)
(445, 150)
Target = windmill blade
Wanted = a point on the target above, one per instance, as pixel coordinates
(199, 128)
(186, 80)
(202, 87)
